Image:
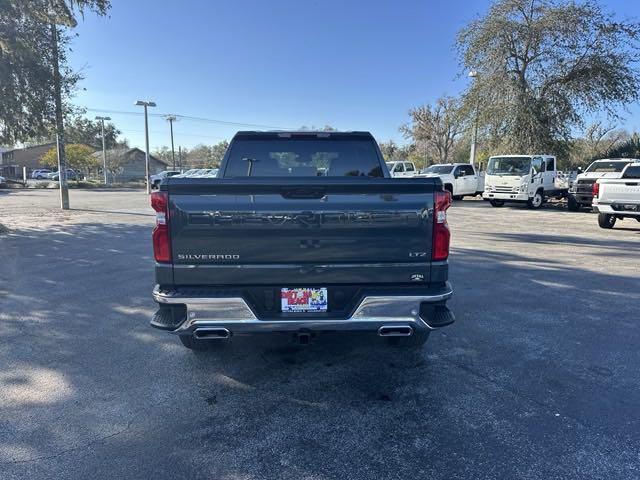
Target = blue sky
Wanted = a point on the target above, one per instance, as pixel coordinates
(355, 65)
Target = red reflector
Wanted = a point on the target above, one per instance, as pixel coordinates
(160, 236)
(596, 189)
(441, 234)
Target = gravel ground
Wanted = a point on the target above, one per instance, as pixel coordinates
(538, 378)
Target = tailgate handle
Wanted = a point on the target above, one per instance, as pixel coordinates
(303, 192)
(631, 184)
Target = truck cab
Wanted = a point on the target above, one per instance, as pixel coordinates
(581, 191)
(460, 179)
(529, 179)
(402, 169)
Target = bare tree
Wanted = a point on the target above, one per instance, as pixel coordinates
(437, 127)
(597, 141)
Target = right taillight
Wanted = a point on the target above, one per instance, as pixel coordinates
(441, 234)
(596, 189)
(161, 244)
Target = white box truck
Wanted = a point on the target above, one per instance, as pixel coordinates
(529, 179)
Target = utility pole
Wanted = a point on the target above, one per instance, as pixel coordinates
(146, 104)
(180, 157)
(57, 92)
(474, 134)
(104, 149)
(171, 119)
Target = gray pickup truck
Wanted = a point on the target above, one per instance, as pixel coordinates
(301, 233)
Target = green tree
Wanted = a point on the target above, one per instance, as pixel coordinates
(79, 157)
(217, 153)
(436, 128)
(26, 82)
(627, 149)
(198, 157)
(389, 150)
(28, 29)
(543, 65)
(88, 132)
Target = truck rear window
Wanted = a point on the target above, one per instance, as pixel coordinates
(606, 167)
(303, 157)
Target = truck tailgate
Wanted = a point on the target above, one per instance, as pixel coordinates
(302, 232)
(620, 191)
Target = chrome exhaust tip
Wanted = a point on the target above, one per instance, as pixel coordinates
(395, 331)
(212, 333)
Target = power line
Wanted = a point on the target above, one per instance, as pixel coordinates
(182, 134)
(188, 117)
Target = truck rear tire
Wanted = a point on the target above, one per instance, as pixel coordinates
(496, 203)
(536, 201)
(458, 197)
(606, 220)
(572, 204)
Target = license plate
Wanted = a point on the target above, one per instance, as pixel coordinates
(297, 300)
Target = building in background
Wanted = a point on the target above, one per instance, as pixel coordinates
(128, 164)
(13, 161)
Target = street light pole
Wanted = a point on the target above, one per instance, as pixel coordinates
(146, 104)
(104, 149)
(171, 119)
(59, 119)
(474, 134)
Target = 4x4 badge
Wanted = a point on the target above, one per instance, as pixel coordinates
(417, 277)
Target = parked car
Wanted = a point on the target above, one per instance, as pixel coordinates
(618, 198)
(194, 172)
(71, 175)
(40, 174)
(581, 191)
(187, 173)
(274, 247)
(529, 179)
(460, 179)
(402, 169)
(210, 173)
(158, 177)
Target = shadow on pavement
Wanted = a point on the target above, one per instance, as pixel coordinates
(541, 367)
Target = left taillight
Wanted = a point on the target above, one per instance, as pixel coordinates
(596, 189)
(161, 244)
(441, 234)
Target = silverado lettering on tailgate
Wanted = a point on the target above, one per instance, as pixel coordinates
(306, 219)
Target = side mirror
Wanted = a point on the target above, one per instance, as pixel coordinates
(456, 175)
(579, 170)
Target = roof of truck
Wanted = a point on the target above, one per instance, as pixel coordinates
(524, 156)
(289, 133)
(630, 160)
(450, 164)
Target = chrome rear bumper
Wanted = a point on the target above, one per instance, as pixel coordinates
(372, 314)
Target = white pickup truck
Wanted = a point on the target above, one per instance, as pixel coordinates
(461, 179)
(581, 191)
(402, 169)
(618, 198)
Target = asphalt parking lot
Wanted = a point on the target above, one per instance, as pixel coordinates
(539, 377)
